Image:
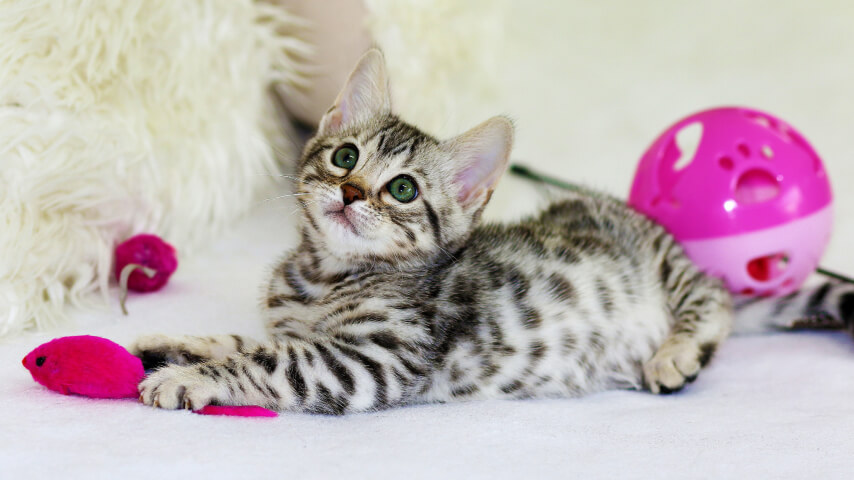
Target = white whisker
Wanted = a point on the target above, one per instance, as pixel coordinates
(286, 196)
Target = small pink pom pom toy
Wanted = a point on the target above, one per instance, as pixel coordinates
(99, 368)
(154, 258)
(751, 203)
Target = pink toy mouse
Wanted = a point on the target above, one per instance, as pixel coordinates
(86, 365)
(100, 368)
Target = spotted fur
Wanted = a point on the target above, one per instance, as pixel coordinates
(385, 303)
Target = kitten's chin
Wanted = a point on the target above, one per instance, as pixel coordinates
(346, 236)
(341, 223)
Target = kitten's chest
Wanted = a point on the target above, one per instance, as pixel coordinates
(356, 298)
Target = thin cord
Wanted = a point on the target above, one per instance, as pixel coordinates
(526, 172)
(838, 276)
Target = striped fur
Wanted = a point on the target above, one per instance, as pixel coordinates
(386, 303)
(828, 305)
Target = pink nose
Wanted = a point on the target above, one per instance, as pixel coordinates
(351, 193)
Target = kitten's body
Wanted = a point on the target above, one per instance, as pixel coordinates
(559, 305)
(389, 302)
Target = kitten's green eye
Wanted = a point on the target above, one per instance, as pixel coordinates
(346, 157)
(403, 189)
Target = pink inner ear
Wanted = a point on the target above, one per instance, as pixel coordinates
(481, 155)
(364, 95)
(470, 178)
(332, 120)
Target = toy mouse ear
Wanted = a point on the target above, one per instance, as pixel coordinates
(480, 156)
(365, 95)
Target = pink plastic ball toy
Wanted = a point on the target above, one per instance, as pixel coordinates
(751, 205)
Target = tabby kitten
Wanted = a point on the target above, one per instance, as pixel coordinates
(396, 295)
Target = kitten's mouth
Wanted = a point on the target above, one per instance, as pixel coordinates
(340, 217)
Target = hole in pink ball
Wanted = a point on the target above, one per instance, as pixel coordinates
(654, 202)
(683, 146)
(760, 119)
(769, 123)
(782, 131)
(756, 186)
(726, 163)
(816, 161)
(743, 149)
(767, 268)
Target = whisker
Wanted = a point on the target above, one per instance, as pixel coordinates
(303, 204)
(296, 210)
(450, 256)
(281, 175)
(280, 153)
(286, 196)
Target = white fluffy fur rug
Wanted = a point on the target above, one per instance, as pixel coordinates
(127, 116)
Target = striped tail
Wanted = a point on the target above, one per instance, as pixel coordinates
(827, 305)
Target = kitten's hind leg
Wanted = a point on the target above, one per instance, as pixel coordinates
(158, 350)
(702, 317)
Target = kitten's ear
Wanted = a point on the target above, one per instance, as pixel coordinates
(480, 156)
(365, 95)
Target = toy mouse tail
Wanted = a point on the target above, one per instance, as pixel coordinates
(828, 305)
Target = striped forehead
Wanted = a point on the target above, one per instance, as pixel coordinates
(394, 139)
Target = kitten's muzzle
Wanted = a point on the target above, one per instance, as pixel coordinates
(351, 193)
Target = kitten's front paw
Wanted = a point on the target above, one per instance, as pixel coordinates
(672, 367)
(156, 351)
(178, 386)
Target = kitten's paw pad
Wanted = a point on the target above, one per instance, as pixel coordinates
(672, 367)
(156, 351)
(178, 386)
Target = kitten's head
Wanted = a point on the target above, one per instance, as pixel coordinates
(374, 189)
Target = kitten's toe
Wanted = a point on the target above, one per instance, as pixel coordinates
(176, 386)
(672, 367)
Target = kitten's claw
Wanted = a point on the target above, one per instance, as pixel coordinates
(673, 366)
(176, 386)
